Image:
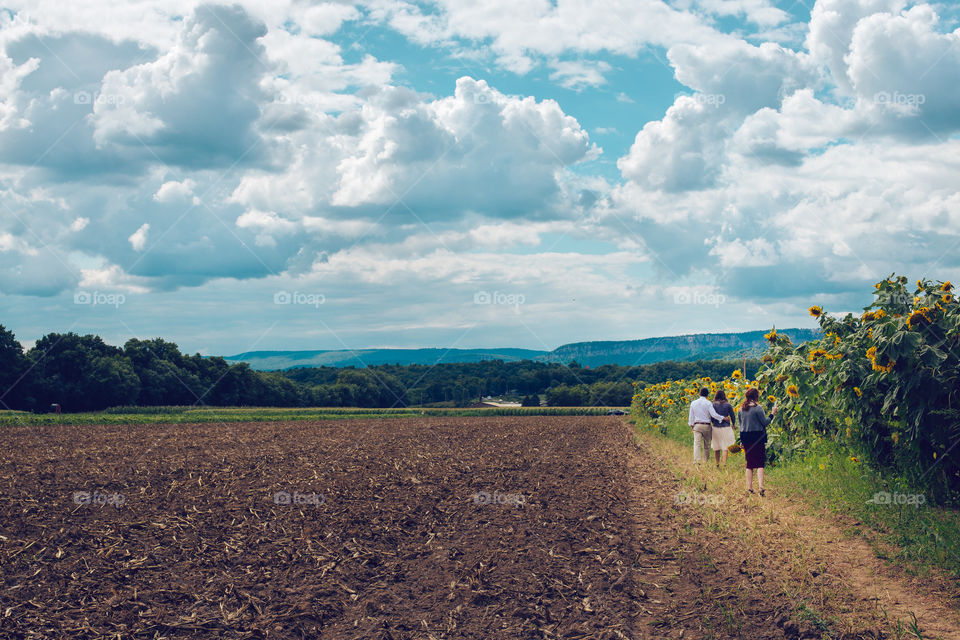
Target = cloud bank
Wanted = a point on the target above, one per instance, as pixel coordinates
(187, 151)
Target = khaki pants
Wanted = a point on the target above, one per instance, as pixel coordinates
(702, 434)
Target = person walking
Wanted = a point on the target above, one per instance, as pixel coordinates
(722, 433)
(700, 420)
(753, 436)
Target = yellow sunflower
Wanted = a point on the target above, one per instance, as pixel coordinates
(816, 311)
(793, 392)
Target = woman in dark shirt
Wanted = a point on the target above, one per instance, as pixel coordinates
(722, 431)
(753, 435)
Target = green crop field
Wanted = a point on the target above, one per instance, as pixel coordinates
(168, 415)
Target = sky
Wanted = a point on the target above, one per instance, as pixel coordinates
(523, 173)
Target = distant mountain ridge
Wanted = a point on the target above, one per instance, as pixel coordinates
(704, 346)
(701, 346)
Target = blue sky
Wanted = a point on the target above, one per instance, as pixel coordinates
(520, 173)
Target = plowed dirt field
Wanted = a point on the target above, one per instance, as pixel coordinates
(510, 527)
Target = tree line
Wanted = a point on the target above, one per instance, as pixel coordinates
(84, 373)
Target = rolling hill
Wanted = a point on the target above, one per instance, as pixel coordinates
(622, 352)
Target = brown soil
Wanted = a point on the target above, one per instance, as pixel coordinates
(493, 527)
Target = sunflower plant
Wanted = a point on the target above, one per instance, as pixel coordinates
(886, 383)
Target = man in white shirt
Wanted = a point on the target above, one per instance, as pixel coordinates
(701, 410)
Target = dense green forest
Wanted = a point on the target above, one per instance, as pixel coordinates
(83, 373)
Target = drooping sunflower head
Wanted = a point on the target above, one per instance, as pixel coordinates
(919, 316)
(816, 311)
(772, 336)
(884, 368)
(792, 391)
(946, 286)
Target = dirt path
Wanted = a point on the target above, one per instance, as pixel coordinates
(692, 585)
(872, 579)
(825, 584)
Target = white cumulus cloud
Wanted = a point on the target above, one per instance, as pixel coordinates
(138, 239)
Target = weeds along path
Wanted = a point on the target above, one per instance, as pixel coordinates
(825, 583)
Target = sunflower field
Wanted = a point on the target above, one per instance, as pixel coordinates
(883, 385)
(656, 400)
